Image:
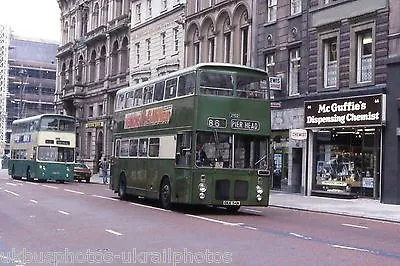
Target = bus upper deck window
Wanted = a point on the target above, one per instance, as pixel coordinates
(170, 91)
(148, 94)
(138, 97)
(186, 84)
(121, 101)
(159, 91)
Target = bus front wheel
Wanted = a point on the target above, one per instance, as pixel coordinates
(122, 187)
(165, 194)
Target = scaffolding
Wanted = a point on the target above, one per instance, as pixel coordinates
(4, 45)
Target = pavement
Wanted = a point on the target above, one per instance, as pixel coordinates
(358, 207)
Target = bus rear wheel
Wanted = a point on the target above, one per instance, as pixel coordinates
(28, 175)
(122, 187)
(165, 194)
(13, 176)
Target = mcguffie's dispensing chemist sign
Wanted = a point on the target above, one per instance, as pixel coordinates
(355, 111)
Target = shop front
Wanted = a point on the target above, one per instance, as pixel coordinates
(345, 145)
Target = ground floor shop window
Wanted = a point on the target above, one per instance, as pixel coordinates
(348, 161)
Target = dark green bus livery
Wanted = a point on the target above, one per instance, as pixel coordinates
(196, 136)
(43, 148)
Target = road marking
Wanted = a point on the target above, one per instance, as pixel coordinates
(102, 197)
(351, 248)
(63, 212)
(50, 186)
(213, 220)
(13, 193)
(33, 201)
(300, 236)
(74, 191)
(150, 207)
(250, 227)
(251, 210)
(11, 184)
(113, 232)
(355, 226)
(35, 184)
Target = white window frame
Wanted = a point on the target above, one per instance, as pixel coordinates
(227, 46)
(294, 71)
(138, 13)
(295, 7)
(176, 39)
(149, 8)
(269, 63)
(211, 49)
(330, 64)
(148, 47)
(137, 46)
(364, 58)
(272, 10)
(164, 4)
(162, 40)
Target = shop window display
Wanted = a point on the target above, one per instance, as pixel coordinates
(347, 161)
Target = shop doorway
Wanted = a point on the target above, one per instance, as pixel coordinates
(297, 169)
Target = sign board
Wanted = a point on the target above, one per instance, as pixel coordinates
(298, 134)
(148, 117)
(94, 124)
(366, 110)
(276, 104)
(275, 83)
(368, 182)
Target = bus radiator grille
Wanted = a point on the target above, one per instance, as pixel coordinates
(222, 189)
(241, 189)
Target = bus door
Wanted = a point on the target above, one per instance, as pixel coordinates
(183, 171)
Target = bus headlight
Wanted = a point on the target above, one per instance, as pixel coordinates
(68, 169)
(202, 187)
(259, 197)
(259, 189)
(202, 195)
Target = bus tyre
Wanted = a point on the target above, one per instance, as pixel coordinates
(165, 194)
(122, 187)
(28, 175)
(232, 209)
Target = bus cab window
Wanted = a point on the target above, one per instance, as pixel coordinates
(159, 91)
(183, 150)
(186, 84)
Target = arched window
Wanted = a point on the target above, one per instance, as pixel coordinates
(227, 40)
(102, 65)
(124, 55)
(84, 23)
(95, 16)
(211, 43)
(92, 67)
(118, 8)
(114, 59)
(244, 38)
(73, 30)
(79, 74)
(65, 33)
(196, 47)
(105, 13)
(70, 71)
(62, 75)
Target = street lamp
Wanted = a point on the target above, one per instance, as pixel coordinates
(22, 74)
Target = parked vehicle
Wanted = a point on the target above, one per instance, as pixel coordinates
(82, 172)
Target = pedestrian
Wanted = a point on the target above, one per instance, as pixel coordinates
(104, 170)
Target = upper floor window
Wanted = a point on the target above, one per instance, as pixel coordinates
(138, 13)
(176, 39)
(330, 62)
(137, 48)
(269, 63)
(211, 2)
(164, 4)
(197, 6)
(364, 56)
(149, 8)
(162, 40)
(272, 9)
(295, 7)
(294, 71)
(148, 46)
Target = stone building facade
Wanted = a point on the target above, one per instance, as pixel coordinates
(282, 50)
(93, 63)
(219, 31)
(156, 36)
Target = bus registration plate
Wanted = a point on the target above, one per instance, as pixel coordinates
(231, 202)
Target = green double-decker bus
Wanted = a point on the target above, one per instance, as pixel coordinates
(196, 136)
(43, 148)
